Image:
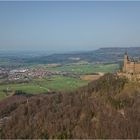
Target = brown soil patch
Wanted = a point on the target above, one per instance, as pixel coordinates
(90, 77)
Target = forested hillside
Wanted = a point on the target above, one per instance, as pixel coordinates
(103, 109)
(102, 55)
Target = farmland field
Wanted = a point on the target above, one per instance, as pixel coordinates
(53, 83)
(2, 95)
(57, 82)
(87, 68)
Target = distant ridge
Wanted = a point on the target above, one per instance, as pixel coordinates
(102, 55)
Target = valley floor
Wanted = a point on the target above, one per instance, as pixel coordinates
(69, 78)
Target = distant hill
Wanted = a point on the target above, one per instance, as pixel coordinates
(105, 109)
(102, 55)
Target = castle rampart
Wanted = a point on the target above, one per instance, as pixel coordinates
(131, 68)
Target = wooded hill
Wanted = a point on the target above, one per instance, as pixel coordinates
(103, 109)
(102, 55)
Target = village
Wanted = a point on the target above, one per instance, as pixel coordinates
(26, 74)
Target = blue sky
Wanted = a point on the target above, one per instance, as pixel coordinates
(69, 26)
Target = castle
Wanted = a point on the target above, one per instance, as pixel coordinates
(131, 68)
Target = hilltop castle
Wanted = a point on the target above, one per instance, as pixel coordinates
(131, 68)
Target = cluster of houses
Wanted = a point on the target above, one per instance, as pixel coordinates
(25, 75)
(3, 73)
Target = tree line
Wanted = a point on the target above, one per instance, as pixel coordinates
(99, 110)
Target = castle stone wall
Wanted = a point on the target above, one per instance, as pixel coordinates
(137, 68)
(131, 69)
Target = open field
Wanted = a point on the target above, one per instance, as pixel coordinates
(87, 68)
(90, 77)
(56, 82)
(2, 95)
(60, 83)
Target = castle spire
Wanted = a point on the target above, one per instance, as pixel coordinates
(126, 59)
(126, 51)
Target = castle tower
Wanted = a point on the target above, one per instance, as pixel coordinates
(125, 62)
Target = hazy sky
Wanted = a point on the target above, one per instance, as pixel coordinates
(69, 26)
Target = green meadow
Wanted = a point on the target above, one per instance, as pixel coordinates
(87, 68)
(58, 82)
(53, 83)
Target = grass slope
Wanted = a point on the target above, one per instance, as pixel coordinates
(56, 82)
(87, 68)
